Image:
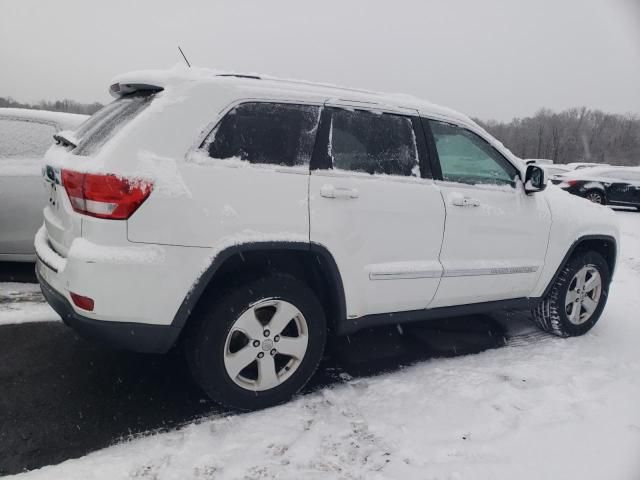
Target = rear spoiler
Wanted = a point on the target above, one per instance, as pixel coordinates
(66, 138)
(118, 90)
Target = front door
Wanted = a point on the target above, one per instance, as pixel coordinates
(496, 236)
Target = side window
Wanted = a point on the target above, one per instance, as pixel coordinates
(467, 158)
(24, 139)
(271, 133)
(373, 143)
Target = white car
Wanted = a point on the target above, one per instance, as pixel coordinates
(538, 161)
(556, 170)
(245, 217)
(24, 137)
(581, 165)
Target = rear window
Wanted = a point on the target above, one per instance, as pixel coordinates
(102, 125)
(24, 138)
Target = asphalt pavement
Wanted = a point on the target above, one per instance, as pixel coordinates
(62, 396)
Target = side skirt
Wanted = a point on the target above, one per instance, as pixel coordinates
(352, 325)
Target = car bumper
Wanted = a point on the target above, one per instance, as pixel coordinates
(138, 337)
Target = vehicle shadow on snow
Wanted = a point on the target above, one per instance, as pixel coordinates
(63, 397)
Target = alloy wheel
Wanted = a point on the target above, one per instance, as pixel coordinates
(583, 295)
(595, 197)
(266, 344)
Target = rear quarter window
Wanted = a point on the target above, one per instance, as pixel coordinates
(265, 133)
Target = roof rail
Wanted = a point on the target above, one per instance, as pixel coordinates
(239, 75)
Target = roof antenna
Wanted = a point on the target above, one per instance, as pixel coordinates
(184, 56)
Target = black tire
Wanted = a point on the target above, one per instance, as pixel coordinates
(594, 194)
(550, 314)
(206, 341)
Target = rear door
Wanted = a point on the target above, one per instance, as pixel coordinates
(496, 236)
(375, 209)
(22, 196)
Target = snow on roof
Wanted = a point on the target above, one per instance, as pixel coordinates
(65, 121)
(180, 74)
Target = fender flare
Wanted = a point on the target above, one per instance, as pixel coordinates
(572, 249)
(195, 293)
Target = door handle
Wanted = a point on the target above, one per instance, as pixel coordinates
(460, 201)
(329, 191)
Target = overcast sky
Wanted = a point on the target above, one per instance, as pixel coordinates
(494, 59)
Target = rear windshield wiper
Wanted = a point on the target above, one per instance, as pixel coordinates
(65, 139)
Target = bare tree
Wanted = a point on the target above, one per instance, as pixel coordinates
(577, 134)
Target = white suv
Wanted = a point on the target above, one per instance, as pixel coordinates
(246, 217)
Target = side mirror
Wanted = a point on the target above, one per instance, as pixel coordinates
(535, 179)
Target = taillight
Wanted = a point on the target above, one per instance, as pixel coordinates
(568, 183)
(105, 195)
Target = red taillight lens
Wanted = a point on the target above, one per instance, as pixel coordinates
(568, 183)
(84, 303)
(105, 195)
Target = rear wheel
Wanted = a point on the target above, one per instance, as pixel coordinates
(576, 299)
(596, 196)
(259, 343)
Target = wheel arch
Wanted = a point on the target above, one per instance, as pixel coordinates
(595, 186)
(310, 262)
(605, 245)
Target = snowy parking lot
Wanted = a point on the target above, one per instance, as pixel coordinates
(537, 407)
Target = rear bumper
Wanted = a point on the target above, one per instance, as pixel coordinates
(137, 289)
(137, 337)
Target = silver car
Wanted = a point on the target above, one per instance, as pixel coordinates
(24, 137)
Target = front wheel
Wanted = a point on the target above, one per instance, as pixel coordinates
(577, 297)
(259, 343)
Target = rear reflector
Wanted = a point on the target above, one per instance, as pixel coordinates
(105, 195)
(84, 303)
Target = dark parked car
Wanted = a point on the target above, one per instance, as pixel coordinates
(605, 185)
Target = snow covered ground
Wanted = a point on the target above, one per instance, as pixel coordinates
(539, 408)
(23, 303)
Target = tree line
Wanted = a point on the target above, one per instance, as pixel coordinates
(574, 135)
(66, 105)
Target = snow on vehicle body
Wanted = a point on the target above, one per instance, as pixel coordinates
(339, 209)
